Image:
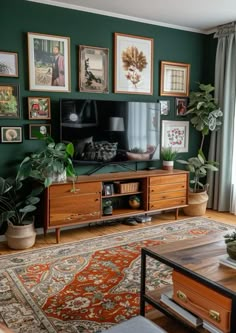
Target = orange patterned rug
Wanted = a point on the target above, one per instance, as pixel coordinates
(90, 285)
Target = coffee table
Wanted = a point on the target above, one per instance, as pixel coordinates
(198, 259)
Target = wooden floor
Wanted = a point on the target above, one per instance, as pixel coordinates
(104, 229)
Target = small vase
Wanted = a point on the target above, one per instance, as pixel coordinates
(168, 165)
(231, 250)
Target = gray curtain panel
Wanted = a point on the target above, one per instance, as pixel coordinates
(221, 143)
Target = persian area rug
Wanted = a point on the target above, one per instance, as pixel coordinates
(87, 286)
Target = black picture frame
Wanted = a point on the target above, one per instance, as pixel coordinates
(108, 189)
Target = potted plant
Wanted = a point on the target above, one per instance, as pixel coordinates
(230, 241)
(51, 164)
(198, 197)
(107, 207)
(168, 155)
(16, 206)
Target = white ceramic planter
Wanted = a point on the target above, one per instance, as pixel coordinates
(168, 165)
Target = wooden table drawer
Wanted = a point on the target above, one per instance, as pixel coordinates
(65, 189)
(169, 179)
(202, 301)
(168, 187)
(169, 203)
(167, 195)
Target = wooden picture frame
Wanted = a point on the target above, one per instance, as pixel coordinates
(133, 64)
(49, 62)
(165, 107)
(9, 102)
(175, 134)
(44, 129)
(11, 134)
(39, 108)
(8, 64)
(93, 69)
(181, 106)
(174, 79)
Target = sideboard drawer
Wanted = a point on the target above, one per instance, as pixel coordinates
(167, 195)
(169, 203)
(58, 190)
(169, 179)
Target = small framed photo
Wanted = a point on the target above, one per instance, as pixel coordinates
(8, 64)
(133, 64)
(93, 69)
(175, 134)
(165, 107)
(174, 79)
(108, 189)
(9, 101)
(44, 129)
(39, 108)
(10, 134)
(181, 106)
(49, 62)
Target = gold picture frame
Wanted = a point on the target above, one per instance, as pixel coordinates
(93, 69)
(39, 108)
(49, 63)
(174, 80)
(8, 64)
(133, 64)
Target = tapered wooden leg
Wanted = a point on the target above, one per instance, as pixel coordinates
(58, 235)
(176, 213)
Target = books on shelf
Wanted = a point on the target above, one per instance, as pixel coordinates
(227, 261)
(166, 299)
(211, 328)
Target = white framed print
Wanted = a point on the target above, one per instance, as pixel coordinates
(175, 134)
(49, 62)
(133, 64)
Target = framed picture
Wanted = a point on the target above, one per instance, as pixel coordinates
(10, 134)
(165, 107)
(49, 62)
(44, 129)
(174, 79)
(93, 69)
(8, 64)
(9, 101)
(108, 189)
(181, 106)
(39, 108)
(175, 134)
(133, 64)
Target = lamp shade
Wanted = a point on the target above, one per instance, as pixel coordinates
(116, 124)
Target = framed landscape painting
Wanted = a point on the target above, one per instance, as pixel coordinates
(133, 64)
(93, 69)
(9, 101)
(8, 64)
(49, 62)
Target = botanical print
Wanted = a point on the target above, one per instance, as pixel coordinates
(49, 62)
(8, 64)
(175, 134)
(39, 107)
(133, 65)
(9, 103)
(34, 130)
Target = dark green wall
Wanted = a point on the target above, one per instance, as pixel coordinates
(19, 17)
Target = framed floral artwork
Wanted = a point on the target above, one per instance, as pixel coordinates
(9, 101)
(49, 62)
(8, 64)
(133, 64)
(39, 108)
(10, 134)
(175, 134)
(181, 106)
(44, 129)
(93, 69)
(174, 79)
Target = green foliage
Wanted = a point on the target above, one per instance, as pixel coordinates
(16, 201)
(230, 237)
(204, 110)
(168, 154)
(53, 159)
(198, 168)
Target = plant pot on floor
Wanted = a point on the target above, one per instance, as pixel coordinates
(168, 165)
(20, 237)
(197, 203)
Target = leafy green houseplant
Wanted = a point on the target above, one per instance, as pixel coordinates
(52, 163)
(168, 155)
(230, 241)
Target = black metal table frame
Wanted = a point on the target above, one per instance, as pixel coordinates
(211, 284)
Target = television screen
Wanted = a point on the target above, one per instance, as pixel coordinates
(111, 131)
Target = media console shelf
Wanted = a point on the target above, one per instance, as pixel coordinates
(157, 190)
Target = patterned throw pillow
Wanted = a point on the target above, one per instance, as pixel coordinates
(100, 151)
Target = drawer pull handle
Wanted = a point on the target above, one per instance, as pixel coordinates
(214, 315)
(75, 190)
(182, 296)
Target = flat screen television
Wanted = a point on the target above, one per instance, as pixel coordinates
(104, 131)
